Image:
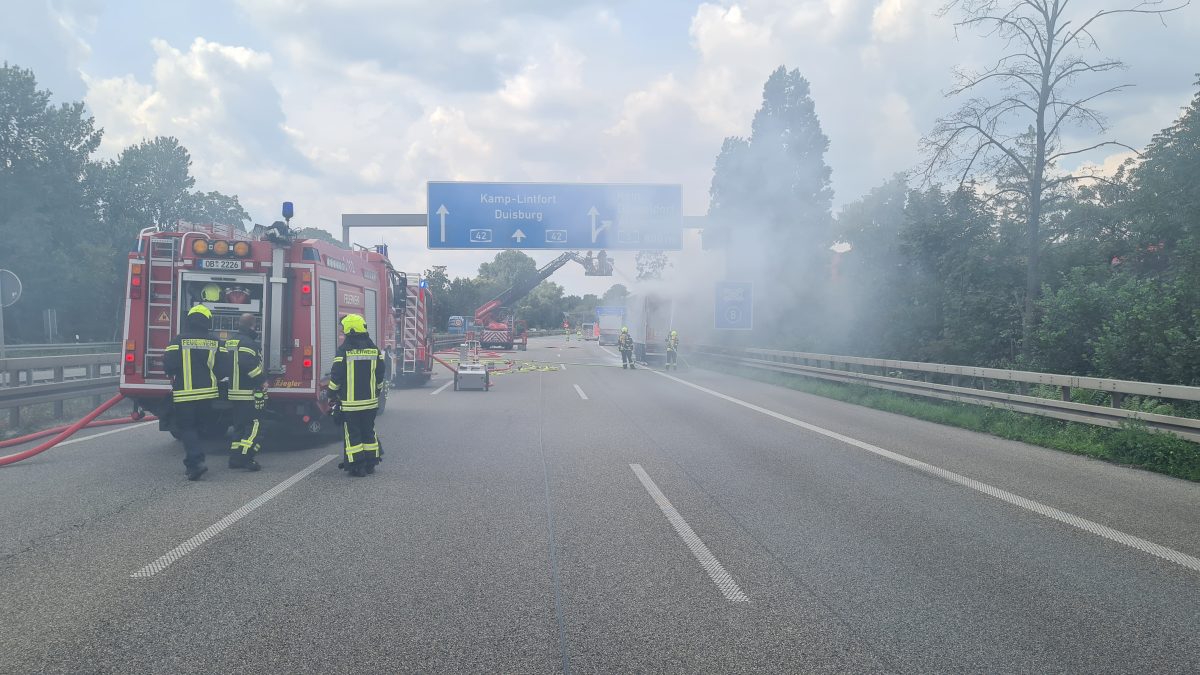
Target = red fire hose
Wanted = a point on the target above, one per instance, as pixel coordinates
(64, 432)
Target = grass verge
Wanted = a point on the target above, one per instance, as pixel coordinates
(1131, 445)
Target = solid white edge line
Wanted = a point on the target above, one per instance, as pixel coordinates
(89, 437)
(707, 560)
(1143, 545)
(440, 389)
(580, 392)
(216, 528)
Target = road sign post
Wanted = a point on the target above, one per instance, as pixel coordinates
(10, 292)
(735, 305)
(562, 216)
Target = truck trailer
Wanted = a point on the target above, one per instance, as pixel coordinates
(649, 319)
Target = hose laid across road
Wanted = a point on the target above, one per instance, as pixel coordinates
(64, 432)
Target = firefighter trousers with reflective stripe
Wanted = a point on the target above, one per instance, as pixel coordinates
(361, 443)
(626, 357)
(197, 427)
(245, 428)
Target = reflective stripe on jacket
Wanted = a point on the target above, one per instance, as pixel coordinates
(191, 360)
(242, 363)
(358, 374)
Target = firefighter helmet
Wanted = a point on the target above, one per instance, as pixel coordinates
(624, 329)
(211, 293)
(353, 323)
(201, 310)
(674, 333)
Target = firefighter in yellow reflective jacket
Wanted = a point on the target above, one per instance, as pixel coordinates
(672, 350)
(241, 365)
(356, 381)
(190, 360)
(625, 346)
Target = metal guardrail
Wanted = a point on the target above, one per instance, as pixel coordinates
(969, 384)
(33, 380)
(61, 349)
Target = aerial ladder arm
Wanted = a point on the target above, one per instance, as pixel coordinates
(522, 287)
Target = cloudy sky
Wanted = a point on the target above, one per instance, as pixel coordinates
(352, 105)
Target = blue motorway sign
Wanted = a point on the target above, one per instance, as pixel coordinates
(735, 305)
(610, 310)
(571, 216)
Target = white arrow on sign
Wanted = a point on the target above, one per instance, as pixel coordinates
(604, 224)
(519, 236)
(442, 216)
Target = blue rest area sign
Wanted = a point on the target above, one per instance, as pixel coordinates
(735, 305)
(568, 216)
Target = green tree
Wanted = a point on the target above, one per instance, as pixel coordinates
(1017, 137)
(47, 214)
(318, 234)
(214, 207)
(774, 190)
(615, 295)
(438, 284)
(147, 186)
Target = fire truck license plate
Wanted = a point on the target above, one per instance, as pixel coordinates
(211, 264)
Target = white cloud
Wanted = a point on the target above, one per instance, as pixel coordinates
(352, 105)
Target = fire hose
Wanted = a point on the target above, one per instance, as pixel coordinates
(63, 432)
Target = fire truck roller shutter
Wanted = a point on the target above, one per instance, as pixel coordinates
(327, 324)
(371, 314)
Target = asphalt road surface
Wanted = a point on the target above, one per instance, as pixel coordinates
(591, 519)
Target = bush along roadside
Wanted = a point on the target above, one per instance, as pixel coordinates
(1132, 444)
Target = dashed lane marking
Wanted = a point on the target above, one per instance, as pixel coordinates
(708, 561)
(216, 528)
(579, 391)
(440, 389)
(1157, 550)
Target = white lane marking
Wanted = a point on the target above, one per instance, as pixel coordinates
(216, 528)
(563, 366)
(708, 561)
(580, 392)
(611, 353)
(1143, 545)
(131, 427)
(440, 389)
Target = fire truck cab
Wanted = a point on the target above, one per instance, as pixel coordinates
(297, 290)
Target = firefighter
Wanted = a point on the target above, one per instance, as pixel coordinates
(625, 346)
(190, 360)
(356, 381)
(241, 364)
(672, 350)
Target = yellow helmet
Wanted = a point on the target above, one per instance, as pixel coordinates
(624, 329)
(211, 293)
(201, 310)
(353, 323)
(674, 333)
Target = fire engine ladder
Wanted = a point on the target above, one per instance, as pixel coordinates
(160, 289)
(409, 338)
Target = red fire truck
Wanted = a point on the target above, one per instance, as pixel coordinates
(297, 289)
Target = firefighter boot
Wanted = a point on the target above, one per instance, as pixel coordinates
(236, 459)
(250, 463)
(194, 472)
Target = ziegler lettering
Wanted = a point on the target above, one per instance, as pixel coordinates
(288, 384)
(351, 299)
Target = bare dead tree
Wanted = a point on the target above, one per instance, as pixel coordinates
(1011, 139)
